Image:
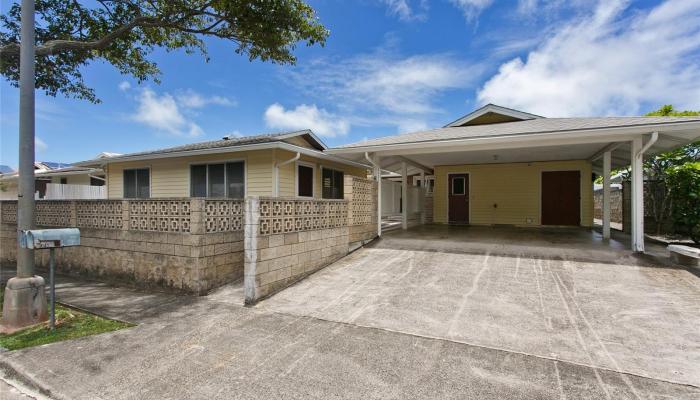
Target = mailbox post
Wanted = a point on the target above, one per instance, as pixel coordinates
(50, 239)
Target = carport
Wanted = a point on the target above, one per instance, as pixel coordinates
(514, 168)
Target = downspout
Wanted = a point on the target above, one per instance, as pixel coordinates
(276, 188)
(652, 140)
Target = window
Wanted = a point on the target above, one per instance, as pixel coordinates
(96, 181)
(218, 180)
(332, 184)
(137, 183)
(458, 186)
(64, 181)
(305, 181)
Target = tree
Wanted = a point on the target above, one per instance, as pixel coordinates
(658, 168)
(70, 35)
(684, 181)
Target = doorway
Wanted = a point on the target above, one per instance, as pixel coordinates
(458, 198)
(561, 198)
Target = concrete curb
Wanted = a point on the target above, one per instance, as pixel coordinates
(25, 378)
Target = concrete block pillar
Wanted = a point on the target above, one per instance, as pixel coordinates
(378, 177)
(607, 160)
(126, 215)
(251, 248)
(73, 213)
(198, 223)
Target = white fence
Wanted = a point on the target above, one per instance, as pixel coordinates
(57, 191)
(391, 199)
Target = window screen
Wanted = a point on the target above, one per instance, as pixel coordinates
(235, 176)
(137, 183)
(198, 181)
(217, 177)
(332, 184)
(305, 181)
(218, 180)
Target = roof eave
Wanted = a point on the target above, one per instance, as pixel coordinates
(220, 150)
(593, 135)
(495, 109)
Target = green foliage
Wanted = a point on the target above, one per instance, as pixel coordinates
(684, 184)
(668, 111)
(72, 34)
(70, 324)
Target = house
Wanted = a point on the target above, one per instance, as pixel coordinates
(57, 181)
(271, 209)
(498, 166)
(287, 164)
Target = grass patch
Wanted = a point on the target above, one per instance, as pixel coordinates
(70, 324)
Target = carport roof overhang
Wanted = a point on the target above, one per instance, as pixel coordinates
(578, 144)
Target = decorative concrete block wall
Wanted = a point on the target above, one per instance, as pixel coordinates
(361, 195)
(287, 239)
(188, 245)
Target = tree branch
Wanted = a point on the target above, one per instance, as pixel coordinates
(55, 46)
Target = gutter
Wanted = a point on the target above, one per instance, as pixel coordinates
(625, 133)
(219, 150)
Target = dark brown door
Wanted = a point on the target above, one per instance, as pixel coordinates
(458, 186)
(561, 198)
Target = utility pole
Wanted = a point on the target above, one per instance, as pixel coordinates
(25, 299)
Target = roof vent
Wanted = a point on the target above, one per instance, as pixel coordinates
(227, 137)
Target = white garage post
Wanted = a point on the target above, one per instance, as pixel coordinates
(422, 197)
(378, 176)
(607, 156)
(637, 196)
(404, 196)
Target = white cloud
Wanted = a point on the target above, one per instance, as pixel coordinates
(162, 113)
(385, 89)
(604, 64)
(124, 86)
(39, 145)
(405, 11)
(305, 116)
(471, 8)
(191, 99)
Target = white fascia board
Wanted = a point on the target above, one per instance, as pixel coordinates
(535, 139)
(53, 173)
(220, 150)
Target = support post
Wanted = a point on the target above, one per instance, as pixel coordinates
(404, 195)
(378, 177)
(607, 160)
(637, 198)
(25, 299)
(422, 197)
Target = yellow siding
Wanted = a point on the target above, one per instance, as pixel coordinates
(287, 173)
(83, 179)
(170, 177)
(514, 187)
(299, 141)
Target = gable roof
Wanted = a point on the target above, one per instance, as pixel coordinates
(511, 129)
(225, 143)
(492, 114)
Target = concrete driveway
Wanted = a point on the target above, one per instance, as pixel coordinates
(560, 295)
(391, 323)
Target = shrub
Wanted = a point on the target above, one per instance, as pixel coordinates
(684, 185)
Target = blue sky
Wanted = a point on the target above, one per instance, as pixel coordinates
(389, 66)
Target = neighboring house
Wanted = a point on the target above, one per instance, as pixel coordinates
(58, 181)
(502, 166)
(289, 164)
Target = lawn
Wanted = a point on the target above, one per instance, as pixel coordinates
(70, 324)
